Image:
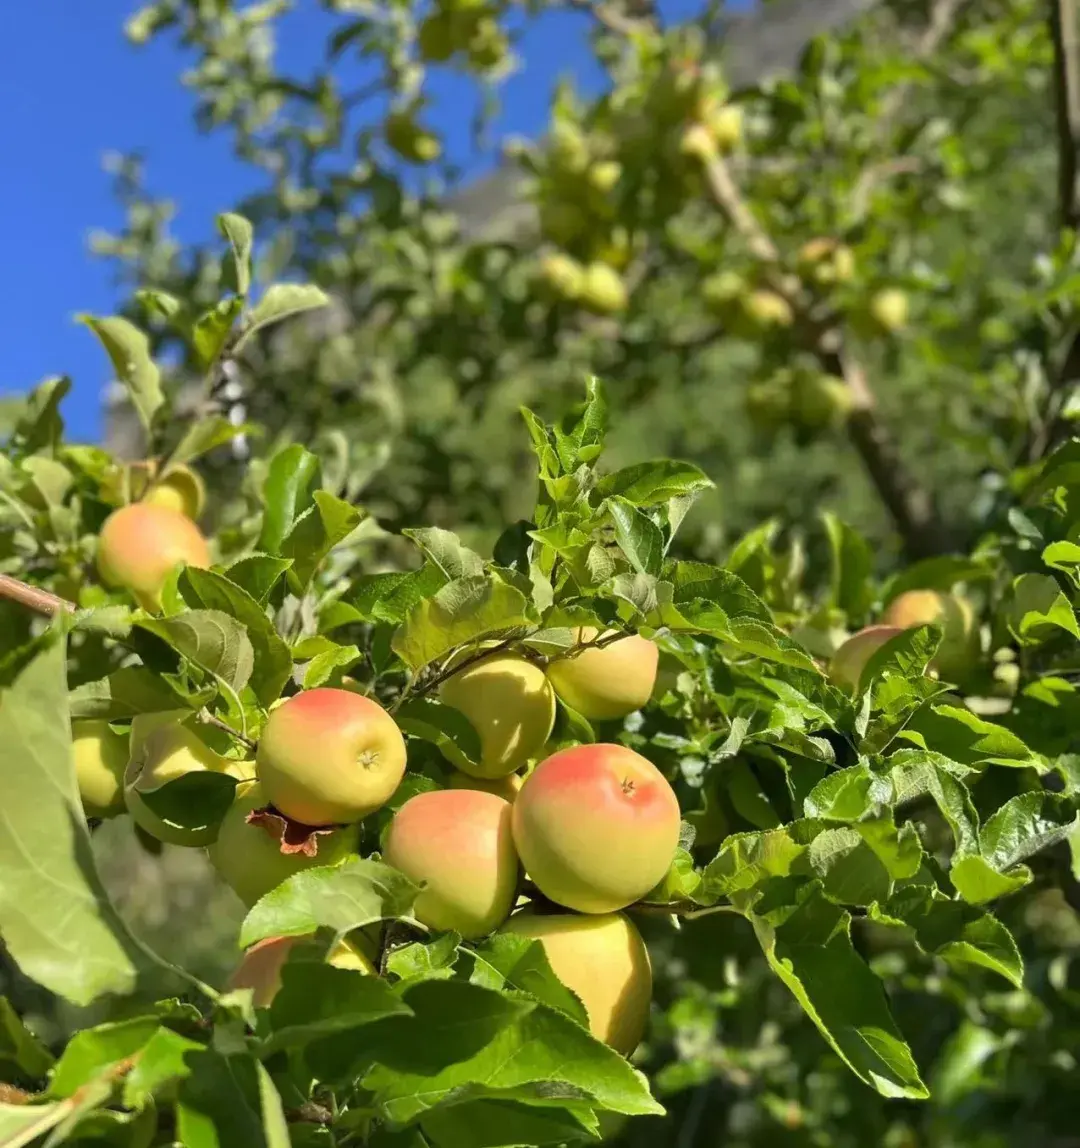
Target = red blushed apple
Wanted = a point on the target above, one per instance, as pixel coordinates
(330, 757)
(850, 659)
(459, 844)
(140, 545)
(596, 827)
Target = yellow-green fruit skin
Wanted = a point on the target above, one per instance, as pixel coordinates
(260, 967)
(459, 844)
(609, 682)
(101, 756)
(181, 489)
(166, 753)
(507, 787)
(596, 827)
(850, 659)
(248, 858)
(140, 545)
(604, 961)
(330, 757)
(511, 705)
(952, 613)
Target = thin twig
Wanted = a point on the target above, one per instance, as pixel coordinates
(612, 19)
(209, 719)
(33, 597)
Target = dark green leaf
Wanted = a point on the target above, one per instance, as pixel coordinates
(129, 350)
(294, 475)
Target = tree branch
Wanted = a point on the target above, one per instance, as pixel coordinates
(1066, 39)
(34, 598)
(209, 719)
(911, 506)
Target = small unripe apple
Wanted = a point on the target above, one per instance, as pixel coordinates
(411, 141)
(179, 489)
(850, 659)
(505, 787)
(247, 853)
(459, 845)
(607, 682)
(437, 37)
(603, 960)
(330, 757)
(604, 175)
(764, 309)
(603, 290)
(826, 261)
(726, 125)
(889, 308)
(511, 705)
(562, 275)
(596, 827)
(101, 756)
(163, 755)
(261, 965)
(567, 147)
(140, 545)
(952, 613)
(698, 143)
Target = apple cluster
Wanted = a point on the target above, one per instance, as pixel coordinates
(551, 847)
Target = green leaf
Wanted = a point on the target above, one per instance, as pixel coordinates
(271, 659)
(91, 1051)
(324, 664)
(858, 864)
(846, 795)
(221, 1103)
(340, 897)
(129, 350)
(258, 574)
(238, 231)
(210, 332)
(851, 589)
(19, 1047)
(649, 483)
(204, 436)
(1038, 607)
(1064, 556)
(25, 1124)
(748, 797)
(699, 582)
(420, 961)
(963, 736)
(294, 475)
(505, 961)
(389, 597)
(444, 549)
(282, 301)
(443, 726)
(941, 573)
(55, 919)
(315, 533)
(317, 1000)
(162, 1059)
(958, 933)
(196, 800)
(1025, 825)
(639, 538)
(495, 1123)
(125, 693)
(464, 610)
(40, 426)
(916, 773)
(810, 950)
(211, 639)
(464, 1042)
(978, 882)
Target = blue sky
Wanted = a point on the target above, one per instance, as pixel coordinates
(72, 89)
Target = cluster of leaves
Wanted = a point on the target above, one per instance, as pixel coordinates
(811, 813)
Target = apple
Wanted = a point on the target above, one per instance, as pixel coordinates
(330, 757)
(168, 752)
(511, 705)
(261, 965)
(850, 659)
(955, 616)
(247, 853)
(140, 545)
(603, 961)
(603, 290)
(607, 682)
(101, 756)
(459, 844)
(889, 308)
(507, 787)
(596, 827)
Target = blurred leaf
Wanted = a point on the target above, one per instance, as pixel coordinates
(129, 350)
(238, 231)
(205, 435)
(210, 332)
(852, 566)
(281, 301)
(55, 919)
(19, 1047)
(125, 693)
(1038, 604)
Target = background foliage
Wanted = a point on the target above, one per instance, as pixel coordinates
(928, 141)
